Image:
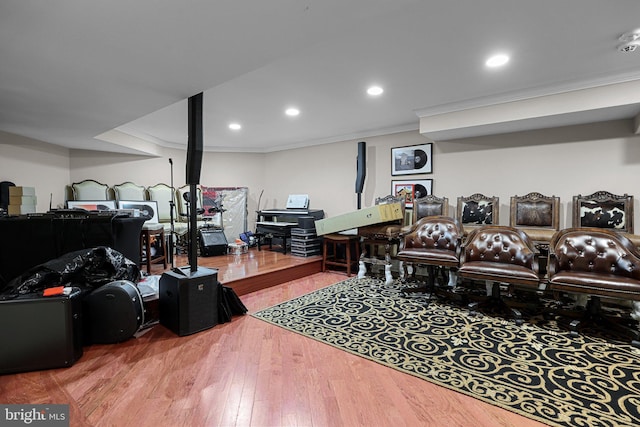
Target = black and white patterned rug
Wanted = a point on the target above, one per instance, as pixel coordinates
(536, 370)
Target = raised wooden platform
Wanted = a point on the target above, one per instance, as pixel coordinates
(254, 270)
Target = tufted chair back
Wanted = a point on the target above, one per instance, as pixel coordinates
(433, 233)
(499, 244)
(592, 250)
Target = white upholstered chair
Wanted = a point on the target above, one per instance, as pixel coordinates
(164, 196)
(90, 189)
(152, 234)
(182, 205)
(129, 191)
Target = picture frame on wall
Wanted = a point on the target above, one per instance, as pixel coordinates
(412, 160)
(148, 208)
(92, 205)
(411, 189)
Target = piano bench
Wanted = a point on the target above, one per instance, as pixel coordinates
(261, 237)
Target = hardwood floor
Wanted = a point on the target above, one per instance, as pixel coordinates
(253, 270)
(245, 373)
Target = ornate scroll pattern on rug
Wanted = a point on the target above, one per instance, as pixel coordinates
(536, 370)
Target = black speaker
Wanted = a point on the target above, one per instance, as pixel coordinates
(40, 332)
(212, 242)
(188, 300)
(361, 166)
(195, 139)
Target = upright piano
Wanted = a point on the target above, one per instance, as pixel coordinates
(278, 223)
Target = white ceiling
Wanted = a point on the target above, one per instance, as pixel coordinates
(73, 70)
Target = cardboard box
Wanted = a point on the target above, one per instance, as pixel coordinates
(367, 216)
(22, 200)
(22, 191)
(21, 209)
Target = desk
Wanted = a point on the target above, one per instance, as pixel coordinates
(31, 240)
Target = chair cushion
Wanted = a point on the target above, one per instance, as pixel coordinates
(429, 256)
(486, 270)
(152, 226)
(380, 231)
(539, 234)
(611, 285)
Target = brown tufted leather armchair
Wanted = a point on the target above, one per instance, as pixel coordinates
(499, 254)
(433, 241)
(596, 262)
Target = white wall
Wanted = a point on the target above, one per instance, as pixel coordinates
(30, 163)
(562, 161)
(328, 173)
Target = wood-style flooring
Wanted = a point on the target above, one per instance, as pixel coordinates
(245, 373)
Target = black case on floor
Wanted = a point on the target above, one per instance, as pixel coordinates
(189, 300)
(40, 332)
(212, 242)
(113, 313)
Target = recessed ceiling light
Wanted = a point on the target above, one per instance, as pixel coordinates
(375, 90)
(497, 60)
(235, 126)
(292, 111)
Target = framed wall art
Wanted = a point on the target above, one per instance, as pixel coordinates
(148, 208)
(411, 189)
(411, 160)
(92, 205)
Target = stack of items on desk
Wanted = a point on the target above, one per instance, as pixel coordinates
(22, 200)
(304, 239)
